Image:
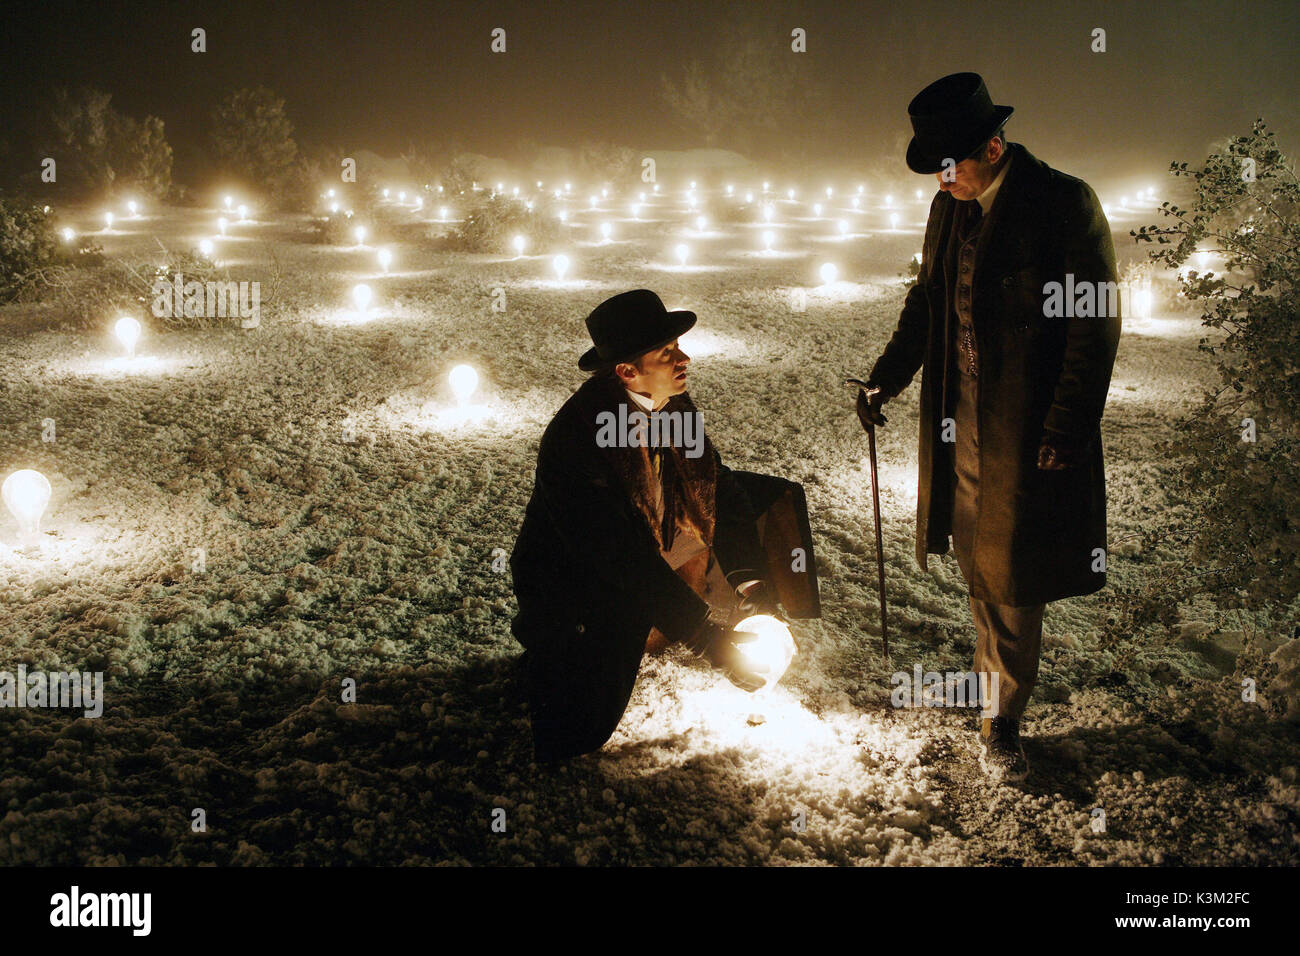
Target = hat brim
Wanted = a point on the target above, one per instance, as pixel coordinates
(928, 164)
(681, 322)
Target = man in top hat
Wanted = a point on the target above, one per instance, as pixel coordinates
(637, 536)
(1013, 322)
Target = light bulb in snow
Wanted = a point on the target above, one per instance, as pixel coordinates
(730, 189)
(683, 252)
(829, 273)
(893, 220)
(919, 194)
(767, 213)
(463, 380)
(385, 193)
(843, 227)
(330, 194)
(768, 237)
(359, 233)
(641, 196)
(856, 202)
(385, 258)
(606, 230)
(789, 194)
(692, 184)
(243, 212)
(206, 248)
(26, 494)
(656, 187)
(221, 225)
(1151, 191)
(604, 193)
(228, 201)
(68, 234)
(361, 296)
(568, 187)
(861, 189)
(133, 207)
(564, 215)
(701, 223)
(766, 185)
(127, 332)
(636, 210)
(773, 648)
(419, 202)
(515, 191)
(401, 197)
(108, 220)
(1123, 202)
(519, 242)
(561, 265)
(817, 209)
(749, 197)
(442, 213)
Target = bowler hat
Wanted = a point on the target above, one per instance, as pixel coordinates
(951, 119)
(629, 325)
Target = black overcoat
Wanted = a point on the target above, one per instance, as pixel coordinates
(591, 581)
(1038, 533)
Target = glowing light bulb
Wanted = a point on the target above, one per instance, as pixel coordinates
(243, 212)
(361, 296)
(419, 202)
(749, 197)
(206, 248)
(359, 233)
(68, 234)
(843, 227)
(133, 207)
(1142, 304)
(768, 238)
(385, 258)
(568, 187)
(856, 202)
(919, 194)
(593, 200)
(127, 332)
(401, 197)
(519, 242)
(789, 194)
(463, 380)
(730, 189)
(228, 201)
(829, 192)
(515, 191)
(701, 223)
(385, 193)
(766, 185)
(636, 210)
(606, 230)
(1123, 202)
(26, 494)
(108, 220)
(604, 193)
(561, 265)
(656, 188)
(889, 199)
(683, 252)
(692, 184)
(221, 223)
(564, 215)
(829, 273)
(442, 213)
(861, 189)
(773, 648)
(817, 209)
(330, 194)
(893, 220)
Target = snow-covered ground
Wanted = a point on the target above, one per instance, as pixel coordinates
(350, 522)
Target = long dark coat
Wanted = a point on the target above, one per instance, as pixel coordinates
(591, 581)
(1037, 530)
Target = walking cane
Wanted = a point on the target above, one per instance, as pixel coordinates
(870, 428)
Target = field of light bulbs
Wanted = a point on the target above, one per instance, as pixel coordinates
(241, 519)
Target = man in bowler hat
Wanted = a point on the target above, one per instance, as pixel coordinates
(638, 538)
(1013, 384)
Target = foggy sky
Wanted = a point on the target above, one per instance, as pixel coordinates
(381, 76)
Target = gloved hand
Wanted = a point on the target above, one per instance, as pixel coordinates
(871, 398)
(1058, 451)
(719, 645)
(756, 597)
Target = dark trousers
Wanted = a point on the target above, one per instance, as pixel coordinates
(1007, 639)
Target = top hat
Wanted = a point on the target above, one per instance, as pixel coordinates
(951, 119)
(630, 324)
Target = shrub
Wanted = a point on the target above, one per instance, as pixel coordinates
(27, 245)
(252, 136)
(98, 148)
(492, 222)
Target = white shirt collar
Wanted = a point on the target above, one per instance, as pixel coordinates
(985, 199)
(646, 403)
